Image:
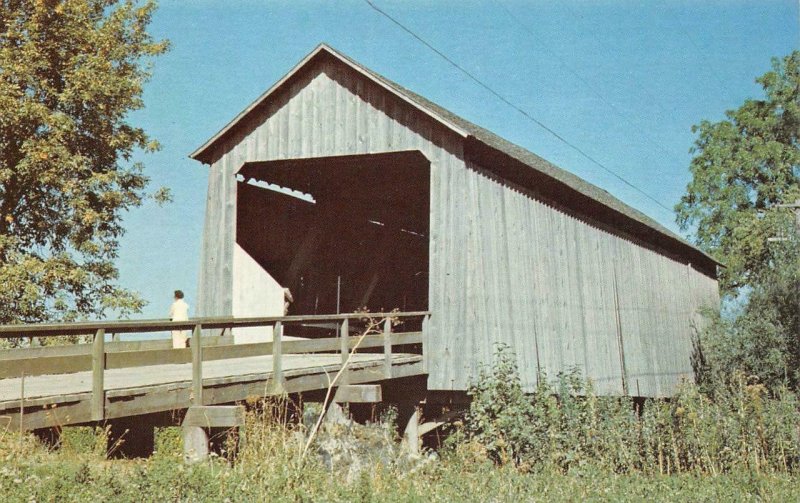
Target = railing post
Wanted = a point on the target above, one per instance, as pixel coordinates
(98, 374)
(345, 339)
(426, 324)
(387, 348)
(277, 362)
(197, 366)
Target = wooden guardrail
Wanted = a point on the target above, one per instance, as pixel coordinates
(99, 355)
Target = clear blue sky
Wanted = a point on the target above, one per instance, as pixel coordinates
(623, 80)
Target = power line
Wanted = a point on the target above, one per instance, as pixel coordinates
(515, 107)
(588, 85)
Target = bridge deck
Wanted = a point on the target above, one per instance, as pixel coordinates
(159, 388)
(99, 381)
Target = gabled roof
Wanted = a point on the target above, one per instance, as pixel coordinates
(467, 130)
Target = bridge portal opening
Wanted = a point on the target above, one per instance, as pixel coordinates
(342, 233)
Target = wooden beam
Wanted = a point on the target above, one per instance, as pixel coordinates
(131, 327)
(277, 361)
(197, 366)
(358, 393)
(9, 369)
(98, 375)
(214, 416)
(387, 348)
(37, 366)
(426, 328)
(76, 408)
(344, 335)
(440, 421)
(84, 349)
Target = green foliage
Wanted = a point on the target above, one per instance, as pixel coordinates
(71, 71)
(760, 337)
(565, 426)
(559, 427)
(743, 166)
(500, 413)
(268, 470)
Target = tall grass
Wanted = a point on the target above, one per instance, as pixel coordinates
(268, 470)
(564, 443)
(737, 426)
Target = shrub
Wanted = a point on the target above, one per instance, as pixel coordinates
(500, 415)
(565, 426)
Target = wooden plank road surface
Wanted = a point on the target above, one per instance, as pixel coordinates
(157, 388)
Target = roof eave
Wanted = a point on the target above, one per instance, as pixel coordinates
(665, 233)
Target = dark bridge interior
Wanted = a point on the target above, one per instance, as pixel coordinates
(361, 242)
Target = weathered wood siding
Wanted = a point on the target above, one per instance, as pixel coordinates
(328, 112)
(559, 291)
(504, 266)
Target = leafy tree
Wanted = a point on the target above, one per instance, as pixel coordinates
(71, 71)
(743, 166)
(762, 338)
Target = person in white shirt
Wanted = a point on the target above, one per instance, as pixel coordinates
(287, 300)
(179, 312)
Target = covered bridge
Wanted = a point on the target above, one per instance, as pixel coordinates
(352, 191)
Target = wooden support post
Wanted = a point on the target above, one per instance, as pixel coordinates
(98, 375)
(197, 366)
(199, 420)
(22, 405)
(277, 362)
(345, 335)
(387, 348)
(411, 432)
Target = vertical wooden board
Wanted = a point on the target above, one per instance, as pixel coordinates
(637, 356)
(250, 144)
(229, 223)
(566, 339)
(520, 285)
(309, 144)
(576, 303)
(261, 140)
(486, 315)
(458, 315)
(476, 329)
(532, 284)
(601, 351)
(206, 275)
(439, 368)
(549, 348)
